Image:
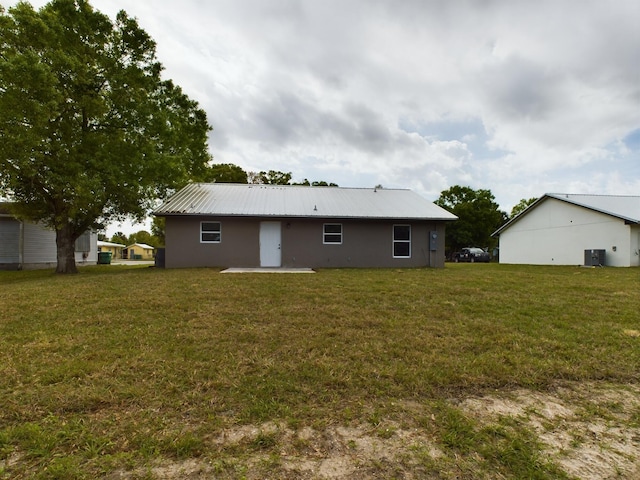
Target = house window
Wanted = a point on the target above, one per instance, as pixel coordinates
(401, 241)
(210, 232)
(332, 233)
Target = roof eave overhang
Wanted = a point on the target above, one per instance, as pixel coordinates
(250, 215)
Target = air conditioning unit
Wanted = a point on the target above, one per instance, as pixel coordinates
(594, 258)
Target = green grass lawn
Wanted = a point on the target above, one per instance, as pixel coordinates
(125, 369)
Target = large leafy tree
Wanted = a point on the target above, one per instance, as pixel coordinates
(90, 131)
(478, 217)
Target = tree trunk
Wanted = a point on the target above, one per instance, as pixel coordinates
(65, 244)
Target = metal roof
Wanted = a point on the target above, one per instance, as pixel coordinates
(253, 200)
(624, 207)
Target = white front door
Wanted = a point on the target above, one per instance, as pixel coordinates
(270, 253)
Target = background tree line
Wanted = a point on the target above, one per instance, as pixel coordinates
(141, 236)
(230, 173)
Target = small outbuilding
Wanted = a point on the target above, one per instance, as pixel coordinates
(237, 225)
(567, 229)
(139, 251)
(26, 245)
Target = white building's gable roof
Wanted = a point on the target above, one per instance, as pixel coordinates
(624, 207)
(253, 200)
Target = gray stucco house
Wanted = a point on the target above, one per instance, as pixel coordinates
(237, 225)
(26, 245)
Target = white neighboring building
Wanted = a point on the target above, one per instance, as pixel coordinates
(558, 228)
(26, 245)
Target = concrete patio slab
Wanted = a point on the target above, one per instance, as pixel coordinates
(268, 270)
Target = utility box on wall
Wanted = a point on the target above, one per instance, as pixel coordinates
(594, 258)
(433, 241)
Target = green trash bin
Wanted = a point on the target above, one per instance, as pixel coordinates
(104, 258)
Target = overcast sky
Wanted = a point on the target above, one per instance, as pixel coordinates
(518, 97)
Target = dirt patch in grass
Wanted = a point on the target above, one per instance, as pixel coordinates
(590, 431)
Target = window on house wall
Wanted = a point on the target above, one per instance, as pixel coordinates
(401, 241)
(332, 233)
(210, 232)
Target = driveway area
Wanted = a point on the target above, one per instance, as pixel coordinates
(132, 262)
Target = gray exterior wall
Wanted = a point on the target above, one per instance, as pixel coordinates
(366, 243)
